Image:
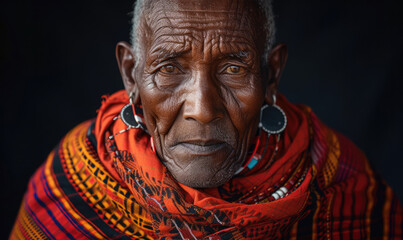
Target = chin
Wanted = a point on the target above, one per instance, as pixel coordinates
(208, 182)
(202, 175)
(202, 166)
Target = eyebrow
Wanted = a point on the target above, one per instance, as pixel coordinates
(165, 55)
(162, 53)
(240, 54)
(244, 56)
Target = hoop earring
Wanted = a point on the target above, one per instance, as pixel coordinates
(272, 118)
(132, 117)
(128, 114)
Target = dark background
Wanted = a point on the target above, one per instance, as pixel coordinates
(57, 60)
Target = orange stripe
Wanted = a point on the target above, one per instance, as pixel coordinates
(55, 188)
(119, 196)
(386, 212)
(74, 148)
(328, 215)
(397, 218)
(315, 216)
(294, 231)
(370, 194)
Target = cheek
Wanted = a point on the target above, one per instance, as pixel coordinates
(160, 109)
(244, 107)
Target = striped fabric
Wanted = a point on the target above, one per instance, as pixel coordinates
(74, 196)
(349, 200)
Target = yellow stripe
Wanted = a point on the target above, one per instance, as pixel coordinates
(25, 224)
(111, 184)
(82, 166)
(332, 158)
(64, 200)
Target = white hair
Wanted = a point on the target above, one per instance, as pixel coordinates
(265, 6)
(134, 36)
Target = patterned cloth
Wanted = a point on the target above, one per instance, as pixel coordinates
(94, 186)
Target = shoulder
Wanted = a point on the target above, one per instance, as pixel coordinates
(46, 211)
(350, 198)
(67, 196)
(334, 156)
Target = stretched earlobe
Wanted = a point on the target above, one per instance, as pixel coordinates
(276, 62)
(134, 96)
(125, 57)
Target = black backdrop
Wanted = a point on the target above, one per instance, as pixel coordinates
(57, 59)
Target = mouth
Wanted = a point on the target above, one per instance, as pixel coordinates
(200, 147)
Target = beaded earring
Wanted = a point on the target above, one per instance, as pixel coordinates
(272, 118)
(132, 117)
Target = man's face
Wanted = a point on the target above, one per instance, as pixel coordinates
(200, 86)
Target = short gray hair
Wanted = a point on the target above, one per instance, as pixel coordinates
(265, 7)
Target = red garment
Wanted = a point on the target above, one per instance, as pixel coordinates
(178, 210)
(93, 187)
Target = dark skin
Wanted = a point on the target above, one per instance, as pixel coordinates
(201, 85)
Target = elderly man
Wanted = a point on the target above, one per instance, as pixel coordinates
(200, 145)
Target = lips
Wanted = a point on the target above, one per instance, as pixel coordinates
(200, 147)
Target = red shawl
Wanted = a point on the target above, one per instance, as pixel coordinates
(178, 210)
(93, 187)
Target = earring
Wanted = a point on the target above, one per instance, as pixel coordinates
(132, 117)
(272, 118)
(127, 114)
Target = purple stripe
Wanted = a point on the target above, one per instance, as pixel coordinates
(37, 220)
(61, 208)
(51, 214)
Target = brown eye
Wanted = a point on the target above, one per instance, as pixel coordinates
(233, 69)
(169, 69)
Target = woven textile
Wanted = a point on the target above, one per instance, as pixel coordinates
(96, 187)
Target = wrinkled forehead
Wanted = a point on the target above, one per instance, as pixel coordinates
(231, 20)
(209, 7)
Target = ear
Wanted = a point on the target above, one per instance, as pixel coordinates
(276, 63)
(126, 63)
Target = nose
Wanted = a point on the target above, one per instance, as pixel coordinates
(203, 102)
